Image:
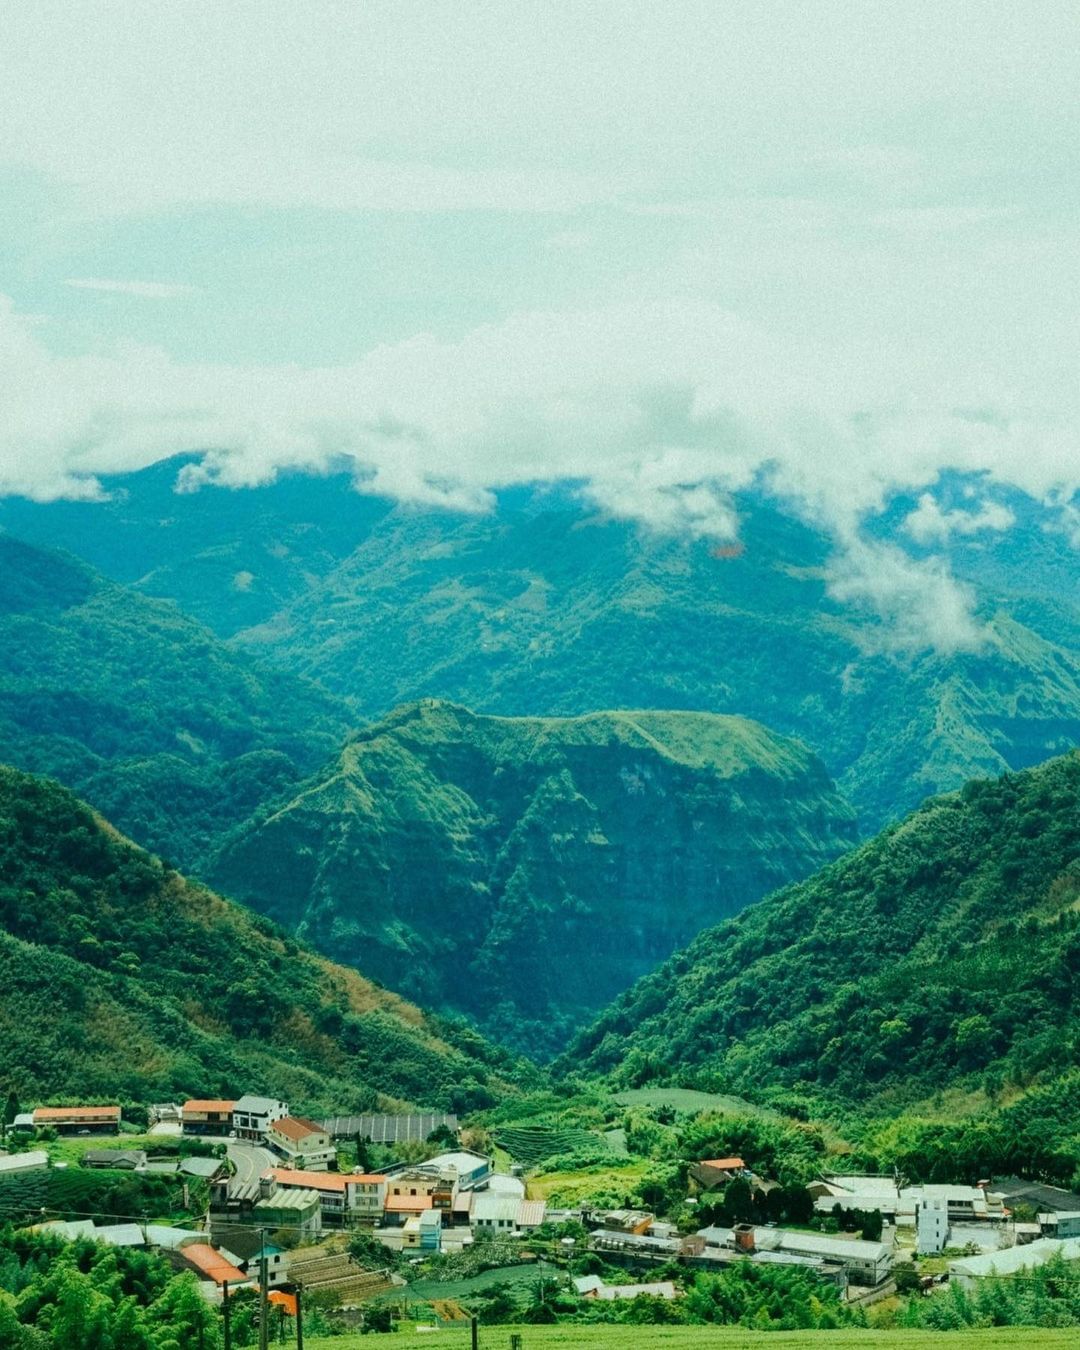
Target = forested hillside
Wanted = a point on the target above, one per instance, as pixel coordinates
(941, 957)
(142, 710)
(547, 606)
(525, 870)
(120, 979)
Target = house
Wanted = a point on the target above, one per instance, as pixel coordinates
(344, 1197)
(205, 1169)
(472, 1169)
(119, 1159)
(22, 1124)
(213, 1267)
(79, 1119)
(1064, 1224)
(495, 1213)
(210, 1116)
(301, 1143)
(1036, 1195)
(423, 1180)
(531, 1214)
(969, 1270)
(252, 1116)
(931, 1225)
(423, 1231)
(295, 1209)
(244, 1245)
(15, 1164)
(713, 1172)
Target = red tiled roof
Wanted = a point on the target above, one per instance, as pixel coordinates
(296, 1128)
(222, 1107)
(76, 1112)
(408, 1204)
(724, 1164)
(212, 1264)
(318, 1181)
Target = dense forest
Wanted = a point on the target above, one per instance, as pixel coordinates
(934, 972)
(119, 978)
(141, 710)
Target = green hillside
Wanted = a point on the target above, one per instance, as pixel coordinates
(119, 978)
(547, 607)
(525, 870)
(943, 957)
(143, 711)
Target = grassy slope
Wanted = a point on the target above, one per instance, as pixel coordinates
(469, 861)
(732, 1338)
(944, 954)
(119, 978)
(143, 710)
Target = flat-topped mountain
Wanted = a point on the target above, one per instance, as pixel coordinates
(527, 869)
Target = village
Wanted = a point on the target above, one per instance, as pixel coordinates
(277, 1203)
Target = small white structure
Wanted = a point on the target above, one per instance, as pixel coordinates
(931, 1224)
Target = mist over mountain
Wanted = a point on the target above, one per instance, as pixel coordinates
(548, 605)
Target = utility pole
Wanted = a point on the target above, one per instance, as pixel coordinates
(226, 1310)
(299, 1317)
(264, 1305)
(475, 1334)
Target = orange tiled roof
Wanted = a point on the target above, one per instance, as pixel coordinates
(212, 1264)
(283, 1300)
(725, 1164)
(75, 1112)
(296, 1127)
(196, 1105)
(408, 1204)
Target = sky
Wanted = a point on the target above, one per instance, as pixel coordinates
(666, 249)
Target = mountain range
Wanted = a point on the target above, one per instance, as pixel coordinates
(547, 606)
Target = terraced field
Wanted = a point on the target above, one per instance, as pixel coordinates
(689, 1102)
(530, 1144)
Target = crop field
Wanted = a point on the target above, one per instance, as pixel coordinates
(689, 1102)
(529, 1144)
(730, 1338)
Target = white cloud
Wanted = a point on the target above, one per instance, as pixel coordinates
(660, 410)
(919, 603)
(929, 524)
(145, 290)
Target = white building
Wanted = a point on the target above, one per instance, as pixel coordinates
(931, 1225)
(252, 1116)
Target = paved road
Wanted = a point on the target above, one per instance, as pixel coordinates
(250, 1160)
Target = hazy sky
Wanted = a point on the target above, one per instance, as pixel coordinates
(656, 246)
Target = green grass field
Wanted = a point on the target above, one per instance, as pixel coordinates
(689, 1102)
(726, 1338)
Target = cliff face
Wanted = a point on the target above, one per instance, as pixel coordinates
(526, 870)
